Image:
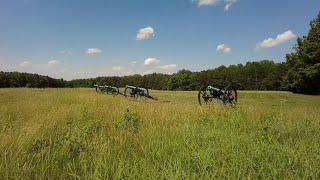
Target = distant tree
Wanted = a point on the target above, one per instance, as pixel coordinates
(156, 81)
(303, 75)
(183, 80)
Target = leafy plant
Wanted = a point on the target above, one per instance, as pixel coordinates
(130, 122)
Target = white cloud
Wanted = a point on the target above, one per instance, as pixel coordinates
(118, 68)
(281, 38)
(168, 66)
(206, 2)
(228, 3)
(149, 71)
(151, 61)
(120, 71)
(25, 63)
(53, 63)
(133, 63)
(66, 52)
(223, 48)
(93, 51)
(145, 33)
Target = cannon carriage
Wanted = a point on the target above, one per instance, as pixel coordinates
(129, 91)
(137, 92)
(228, 95)
(107, 89)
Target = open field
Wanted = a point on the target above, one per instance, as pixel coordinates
(77, 133)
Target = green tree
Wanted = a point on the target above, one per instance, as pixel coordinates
(304, 64)
(183, 80)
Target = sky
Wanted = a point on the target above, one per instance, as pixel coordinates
(73, 39)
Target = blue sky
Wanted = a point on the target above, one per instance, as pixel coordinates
(81, 38)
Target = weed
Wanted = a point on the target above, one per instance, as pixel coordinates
(130, 122)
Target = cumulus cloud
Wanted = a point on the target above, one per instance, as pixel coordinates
(168, 66)
(25, 63)
(281, 38)
(93, 51)
(53, 63)
(151, 61)
(223, 48)
(145, 33)
(228, 3)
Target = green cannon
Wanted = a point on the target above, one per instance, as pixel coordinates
(227, 95)
(137, 92)
(107, 89)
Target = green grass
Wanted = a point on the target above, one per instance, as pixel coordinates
(77, 133)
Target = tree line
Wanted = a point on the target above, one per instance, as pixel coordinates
(262, 75)
(18, 79)
(300, 73)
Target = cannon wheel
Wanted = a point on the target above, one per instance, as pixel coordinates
(147, 92)
(142, 95)
(127, 92)
(97, 89)
(107, 90)
(204, 96)
(231, 95)
(111, 91)
(100, 90)
(115, 93)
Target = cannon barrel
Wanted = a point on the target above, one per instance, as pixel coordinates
(106, 88)
(214, 88)
(135, 87)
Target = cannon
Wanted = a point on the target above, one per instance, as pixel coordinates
(107, 89)
(227, 95)
(137, 92)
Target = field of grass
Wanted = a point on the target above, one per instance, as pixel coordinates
(77, 133)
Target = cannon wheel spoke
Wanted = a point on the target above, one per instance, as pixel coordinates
(128, 92)
(204, 96)
(115, 92)
(231, 95)
(147, 92)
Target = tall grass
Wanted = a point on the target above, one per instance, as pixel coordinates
(77, 133)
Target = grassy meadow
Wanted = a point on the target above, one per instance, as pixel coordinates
(80, 134)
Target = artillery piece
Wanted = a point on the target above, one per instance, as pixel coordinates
(137, 92)
(228, 95)
(107, 89)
